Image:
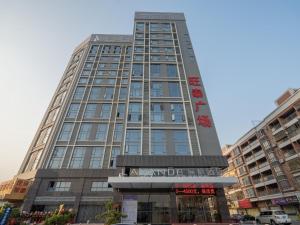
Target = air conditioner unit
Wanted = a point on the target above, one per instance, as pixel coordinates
(172, 107)
(126, 148)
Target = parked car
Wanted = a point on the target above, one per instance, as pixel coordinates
(235, 218)
(247, 219)
(273, 217)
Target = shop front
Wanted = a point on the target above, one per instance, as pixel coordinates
(173, 199)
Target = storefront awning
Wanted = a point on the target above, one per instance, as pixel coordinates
(167, 182)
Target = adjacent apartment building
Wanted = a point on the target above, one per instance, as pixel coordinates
(130, 121)
(266, 161)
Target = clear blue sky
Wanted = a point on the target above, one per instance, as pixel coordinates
(248, 53)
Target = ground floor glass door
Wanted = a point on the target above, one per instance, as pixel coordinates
(196, 209)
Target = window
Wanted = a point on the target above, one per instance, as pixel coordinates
(156, 89)
(117, 50)
(138, 57)
(85, 131)
(100, 72)
(114, 66)
(172, 70)
(134, 112)
(121, 111)
(128, 50)
(284, 184)
(65, 132)
(139, 49)
(157, 112)
(57, 157)
(101, 132)
(88, 65)
(83, 80)
(139, 35)
(100, 186)
(118, 134)
(115, 151)
(124, 81)
(77, 158)
(272, 157)
(79, 92)
(266, 144)
(125, 74)
(250, 193)
(97, 158)
(95, 93)
(241, 170)
(155, 70)
(278, 170)
(123, 93)
(158, 142)
(136, 89)
(133, 142)
(245, 181)
(90, 111)
(85, 73)
(174, 90)
(139, 27)
(109, 92)
(73, 110)
(59, 186)
(177, 112)
(94, 49)
(105, 111)
(137, 70)
(180, 141)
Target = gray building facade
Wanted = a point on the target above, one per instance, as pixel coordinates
(130, 121)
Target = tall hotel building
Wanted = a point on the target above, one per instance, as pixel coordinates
(130, 121)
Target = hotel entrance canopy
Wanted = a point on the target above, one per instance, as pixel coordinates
(167, 182)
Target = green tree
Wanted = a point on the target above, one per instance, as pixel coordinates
(111, 215)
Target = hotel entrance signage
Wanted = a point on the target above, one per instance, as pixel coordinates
(174, 172)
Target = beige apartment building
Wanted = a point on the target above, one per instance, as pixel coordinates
(266, 161)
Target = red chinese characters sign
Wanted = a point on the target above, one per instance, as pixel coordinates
(193, 189)
(197, 93)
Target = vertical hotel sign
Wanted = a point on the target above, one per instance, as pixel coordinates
(203, 119)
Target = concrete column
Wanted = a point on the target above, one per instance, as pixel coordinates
(31, 194)
(222, 205)
(173, 208)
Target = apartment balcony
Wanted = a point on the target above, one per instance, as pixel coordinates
(292, 137)
(291, 118)
(268, 192)
(266, 180)
(251, 146)
(255, 157)
(259, 169)
(289, 153)
(276, 129)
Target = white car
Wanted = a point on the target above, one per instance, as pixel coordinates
(273, 217)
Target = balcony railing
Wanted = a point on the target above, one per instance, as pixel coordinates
(263, 179)
(289, 153)
(276, 127)
(294, 133)
(289, 118)
(250, 145)
(263, 165)
(253, 169)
